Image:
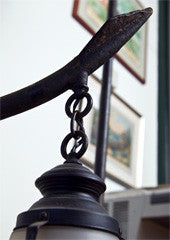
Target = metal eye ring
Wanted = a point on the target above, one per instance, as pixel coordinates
(74, 135)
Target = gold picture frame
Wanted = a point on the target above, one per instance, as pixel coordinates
(126, 138)
(93, 13)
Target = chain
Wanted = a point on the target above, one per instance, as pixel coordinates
(77, 131)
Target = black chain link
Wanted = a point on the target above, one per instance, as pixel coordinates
(77, 131)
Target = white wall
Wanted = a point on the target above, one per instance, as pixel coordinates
(37, 38)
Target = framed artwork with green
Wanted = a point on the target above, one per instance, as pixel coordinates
(92, 14)
(126, 138)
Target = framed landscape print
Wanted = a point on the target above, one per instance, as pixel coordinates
(126, 135)
(93, 13)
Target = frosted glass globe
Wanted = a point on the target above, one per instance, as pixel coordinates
(64, 233)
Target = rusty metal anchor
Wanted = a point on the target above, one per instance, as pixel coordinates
(103, 45)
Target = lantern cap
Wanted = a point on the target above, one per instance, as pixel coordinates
(70, 177)
(71, 193)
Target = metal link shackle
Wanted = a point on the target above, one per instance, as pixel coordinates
(76, 116)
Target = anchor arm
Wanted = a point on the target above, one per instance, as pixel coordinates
(103, 45)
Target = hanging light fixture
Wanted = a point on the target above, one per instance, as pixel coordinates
(70, 206)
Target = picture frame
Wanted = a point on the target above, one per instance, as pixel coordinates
(93, 13)
(126, 139)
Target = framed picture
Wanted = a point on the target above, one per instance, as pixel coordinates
(93, 13)
(126, 138)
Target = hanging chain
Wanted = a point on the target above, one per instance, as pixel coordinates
(77, 131)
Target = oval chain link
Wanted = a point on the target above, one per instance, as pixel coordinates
(77, 131)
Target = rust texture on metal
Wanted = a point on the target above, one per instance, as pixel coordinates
(104, 45)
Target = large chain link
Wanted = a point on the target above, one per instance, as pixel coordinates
(77, 131)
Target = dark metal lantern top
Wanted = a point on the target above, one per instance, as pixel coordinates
(70, 177)
(71, 193)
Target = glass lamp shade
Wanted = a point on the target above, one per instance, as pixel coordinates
(65, 232)
(69, 208)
